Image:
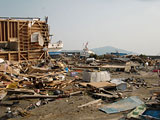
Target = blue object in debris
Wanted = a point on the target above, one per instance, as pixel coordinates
(54, 53)
(118, 54)
(122, 105)
(152, 113)
(66, 69)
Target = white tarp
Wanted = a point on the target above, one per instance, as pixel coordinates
(101, 76)
(120, 84)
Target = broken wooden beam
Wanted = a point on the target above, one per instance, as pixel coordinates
(25, 91)
(32, 96)
(105, 95)
(75, 93)
(44, 96)
(90, 103)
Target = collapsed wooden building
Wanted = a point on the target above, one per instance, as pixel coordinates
(23, 38)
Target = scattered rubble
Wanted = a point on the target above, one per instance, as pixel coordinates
(47, 80)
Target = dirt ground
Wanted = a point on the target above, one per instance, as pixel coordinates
(67, 108)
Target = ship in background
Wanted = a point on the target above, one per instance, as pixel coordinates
(55, 48)
(86, 52)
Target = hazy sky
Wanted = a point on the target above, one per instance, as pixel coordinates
(132, 25)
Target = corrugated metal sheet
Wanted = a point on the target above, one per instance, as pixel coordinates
(122, 105)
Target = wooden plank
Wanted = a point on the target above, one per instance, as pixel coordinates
(24, 57)
(19, 57)
(15, 29)
(11, 30)
(25, 91)
(0, 31)
(99, 84)
(3, 41)
(90, 103)
(41, 56)
(28, 55)
(2, 95)
(43, 96)
(28, 39)
(102, 84)
(18, 40)
(9, 56)
(23, 25)
(40, 25)
(105, 95)
(33, 96)
(3, 31)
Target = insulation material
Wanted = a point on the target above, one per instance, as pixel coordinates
(101, 76)
(37, 37)
(34, 37)
(40, 40)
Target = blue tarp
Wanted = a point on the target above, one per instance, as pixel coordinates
(54, 53)
(122, 105)
(118, 54)
(152, 113)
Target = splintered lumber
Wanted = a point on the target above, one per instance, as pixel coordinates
(33, 96)
(5, 77)
(99, 84)
(75, 93)
(84, 84)
(43, 96)
(102, 84)
(155, 92)
(25, 91)
(106, 91)
(105, 66)
(2, 94)
(105, 95)
(33, 69)
(90, 103)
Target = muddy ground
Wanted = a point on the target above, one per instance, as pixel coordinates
(67, 108)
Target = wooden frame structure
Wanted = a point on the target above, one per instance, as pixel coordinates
(15, 39)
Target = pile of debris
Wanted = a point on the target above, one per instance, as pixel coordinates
(48, 80)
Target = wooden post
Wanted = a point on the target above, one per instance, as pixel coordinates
(4, 35)
(9, 56)
(15, 33)
(19, 57)
(18, 40)
(0, 31)
(8, 35)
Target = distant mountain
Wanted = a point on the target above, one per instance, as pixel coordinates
(109, 49)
